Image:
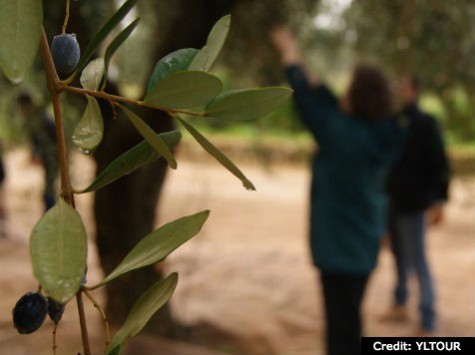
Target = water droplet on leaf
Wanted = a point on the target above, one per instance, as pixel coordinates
(85, 151)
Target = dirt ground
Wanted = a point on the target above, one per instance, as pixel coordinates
(246, 282)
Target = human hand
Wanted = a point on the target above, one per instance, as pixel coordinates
(285, 43)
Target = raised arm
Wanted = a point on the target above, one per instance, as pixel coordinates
(315, 103)
(286, 45)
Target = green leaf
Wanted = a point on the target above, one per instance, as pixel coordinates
(158, 244)
(103, 32)
(143, 309)
(20, 34)
(117, 350)
(89, 131)
(92, 74)
(219, 155)
(185, 89)
(58, 248)
(149, 134)
(206, 57)
(179, 60)
(241, 105)
(115, 44)
(131, 160)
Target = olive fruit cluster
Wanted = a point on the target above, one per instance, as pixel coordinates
(31, 309)
(65, 52)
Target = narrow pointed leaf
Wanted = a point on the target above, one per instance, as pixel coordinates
(92, 74)
(206, 57)
(185, 89)
(241, 105)
(89, 131)
(58, 248)
(115, 44)
(149, 134)
(217, 154)
(131, 160)
(179, 60)
(117, 350)
(158, 244)
(103, 32)
(143, 309)
(20, 35)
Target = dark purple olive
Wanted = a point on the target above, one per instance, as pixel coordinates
(65, 52)
(55, 310)
(29, 312)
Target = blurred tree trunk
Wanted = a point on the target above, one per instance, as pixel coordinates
(125, 211)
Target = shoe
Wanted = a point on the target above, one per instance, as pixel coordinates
(396, 314)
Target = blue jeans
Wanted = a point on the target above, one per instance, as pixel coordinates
(407, 239)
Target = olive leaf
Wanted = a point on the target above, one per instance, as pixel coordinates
(20, 33)
(149, 134)
(58, 249)
(142, 310)
(241, 105)
(184, 89)
(157, 245)
(179, 60)
(103, 32)
(89, 131)
(92, 74)
(131, 160)
(217, 154)
(206, 57)
(114, 45)
(116, 350)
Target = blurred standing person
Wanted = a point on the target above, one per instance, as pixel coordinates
(418, 187)
(357, 144)
(42, 133)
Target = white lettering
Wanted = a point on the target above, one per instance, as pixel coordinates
(439, 345)
(375, 346)
(398, 346)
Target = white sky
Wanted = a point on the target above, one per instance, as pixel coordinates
(329, 16)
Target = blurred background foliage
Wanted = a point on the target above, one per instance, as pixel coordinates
(434, 39)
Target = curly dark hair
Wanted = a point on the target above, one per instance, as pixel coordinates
(369, 93)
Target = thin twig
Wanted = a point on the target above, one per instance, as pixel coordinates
(83, 324)
(53, 81)
(54, 338)
(103, 316)
(114, 98)
(66, 18)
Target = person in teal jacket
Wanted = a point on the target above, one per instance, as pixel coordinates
(357, 144)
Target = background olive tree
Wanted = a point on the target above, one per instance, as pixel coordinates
(432, 39)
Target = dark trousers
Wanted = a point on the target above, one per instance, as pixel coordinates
(342, 298)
